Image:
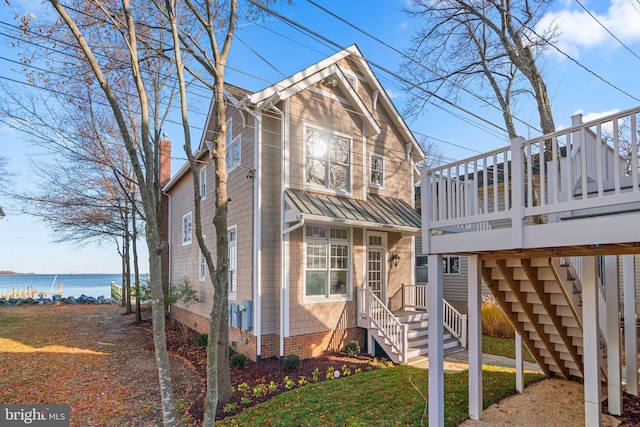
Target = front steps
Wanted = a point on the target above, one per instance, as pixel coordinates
(417, 338)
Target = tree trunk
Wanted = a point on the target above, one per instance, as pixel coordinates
(136, 269)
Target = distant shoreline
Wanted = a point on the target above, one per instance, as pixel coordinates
(7, 273)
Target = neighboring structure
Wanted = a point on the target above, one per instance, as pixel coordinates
(546, 237)
(321, 176)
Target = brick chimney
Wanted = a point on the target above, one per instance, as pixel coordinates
(165, 161)
(164, 176)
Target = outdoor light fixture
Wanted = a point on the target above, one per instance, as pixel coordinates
(395, 259)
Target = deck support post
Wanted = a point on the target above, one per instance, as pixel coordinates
(518, 193)
(592, 416)
(614, 374)
(436, 345)
(630, 319)
(475, 339)
(519, 364)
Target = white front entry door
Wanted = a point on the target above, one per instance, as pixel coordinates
(376, 264)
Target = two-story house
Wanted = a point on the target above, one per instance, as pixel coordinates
(322, 170)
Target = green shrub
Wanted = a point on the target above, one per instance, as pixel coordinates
(291, 362)
(494, 321)
(201, 339)
(352, 349)
(238, 361)
(232, 352)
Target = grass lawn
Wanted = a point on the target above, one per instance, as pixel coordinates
(503, 347)
(384, 397)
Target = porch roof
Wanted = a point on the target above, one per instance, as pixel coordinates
(375, 212)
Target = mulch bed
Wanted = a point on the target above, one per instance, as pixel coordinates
(257, 375)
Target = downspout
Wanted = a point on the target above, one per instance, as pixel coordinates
(256, 236)
(284, 237)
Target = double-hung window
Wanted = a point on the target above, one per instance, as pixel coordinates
(203, 182)
(232, 235)
(234, 148)
(327, 263)
(202, 264)
(327, 159)
(186, 229)
(376, 174)
(451, 265)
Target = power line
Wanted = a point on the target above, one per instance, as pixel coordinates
(380, 67)
(404, 55)
(607, 30)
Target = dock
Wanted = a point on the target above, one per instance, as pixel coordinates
(30, 292)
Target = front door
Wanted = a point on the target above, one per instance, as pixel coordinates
(376, 262)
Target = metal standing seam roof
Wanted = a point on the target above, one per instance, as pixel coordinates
(376, 211)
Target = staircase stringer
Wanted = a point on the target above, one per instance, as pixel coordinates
(555, 265)
(493, 286)
(507, 274)
(551, 311)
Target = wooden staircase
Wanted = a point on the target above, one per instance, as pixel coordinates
(416, 324)
(542, 299)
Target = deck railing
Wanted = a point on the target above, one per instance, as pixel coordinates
(583, 170)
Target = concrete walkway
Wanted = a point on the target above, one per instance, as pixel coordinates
(459, 361)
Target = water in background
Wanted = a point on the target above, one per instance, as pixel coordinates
(92, 285)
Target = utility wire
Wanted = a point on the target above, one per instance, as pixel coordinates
(607, 30)
(380, 67)
(404, 55)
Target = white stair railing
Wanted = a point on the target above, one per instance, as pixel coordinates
(455, 323)
(415, 296)
(381, 318)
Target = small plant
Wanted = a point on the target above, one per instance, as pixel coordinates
(368, 368)
(315, 374)
(357, 371)
(389, 363)
(245, 400)
(229, 407)
(244, 387)
(180, 405)
(352, 349)
(232, 352)
(288, 383)
(258, 390)
(302, 380)
(330, 373)
(201, 340)
(272, 386)
(291, 362)
(238, 361)
(345, 371)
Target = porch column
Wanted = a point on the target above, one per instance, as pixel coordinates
(475, 339)
(630, 318)
(519, 364)
(592, 417)
(614, 373)
(436, 347)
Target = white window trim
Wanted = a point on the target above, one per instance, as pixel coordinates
(234, 295)
(326, 188)
(382, 179)
(188, 217)
(203, 182)
(349, 74)
(236, 141)
(202, 264)
(327, 298)
(447, 259)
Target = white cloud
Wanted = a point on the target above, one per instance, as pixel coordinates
(578, 30)
(393, 94)
(587, 117)
(403, 26)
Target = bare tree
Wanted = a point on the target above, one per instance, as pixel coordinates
(489, 42)
(102, 32)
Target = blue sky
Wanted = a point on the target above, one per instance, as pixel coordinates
(25, 244)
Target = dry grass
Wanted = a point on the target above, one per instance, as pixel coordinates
(494, 321)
